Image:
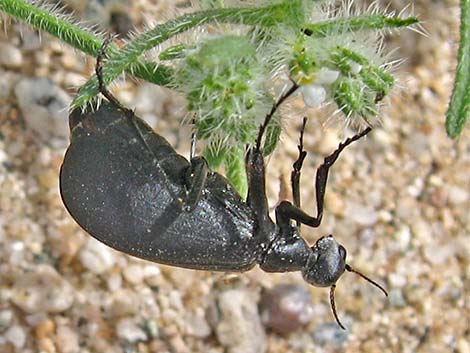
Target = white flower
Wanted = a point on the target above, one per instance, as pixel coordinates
(326, 76)
(314, 93)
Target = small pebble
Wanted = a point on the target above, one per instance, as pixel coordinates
(437, 254)
(396, 298)
(37, 319)
(329, 333)
(7, 81)
(397, 280)
(73, 80)
(175, 301)
(177, 345)
(69, 60)
(44, 107)
(124, 302)
(152, 274)
(44, 328)
(128, 330)
(403, 236)
(46, 345)
(134, 274)
(385, 216)
(151, 327)
(42, 290)
(10, 56)
(30, 39)
(5, 318)
(96, 256)
(197, 325)
(114, 282)
(457, 196)
(239, 313)
(463, 346)
(382, 136)
(286, 308)
(16, 336)
(67, 340)
(42, 58)
(361, 214)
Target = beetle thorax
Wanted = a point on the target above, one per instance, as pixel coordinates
(287, 252)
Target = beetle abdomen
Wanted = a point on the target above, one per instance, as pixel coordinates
(130, 195)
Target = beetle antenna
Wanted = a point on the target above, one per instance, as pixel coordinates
(333, 306)
(268, 117)
(350, 269)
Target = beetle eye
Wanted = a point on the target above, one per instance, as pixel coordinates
(342, 252)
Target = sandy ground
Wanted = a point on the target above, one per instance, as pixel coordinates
(399, 201)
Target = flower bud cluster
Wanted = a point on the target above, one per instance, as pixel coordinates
(223, 80)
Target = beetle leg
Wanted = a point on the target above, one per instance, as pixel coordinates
(99, 76)
(286, 211)
(110, 97)
(256, 198)
(297, 167)
(196, 176)
(255, 169)
(192, 152)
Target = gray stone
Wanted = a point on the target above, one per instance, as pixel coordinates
(5, 318)
(240, 329)
(16, 335)
(44, 107)
(96, 256)
(197, 325)
(128, 330)
(286, 308)
(10, 56)
(43, 290)
(396, 298)
(329, 333)
(67, 340)
(7, 81)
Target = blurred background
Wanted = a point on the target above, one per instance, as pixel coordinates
(399, 201)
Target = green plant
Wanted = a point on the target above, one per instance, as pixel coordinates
(459, 106)
(232, 77)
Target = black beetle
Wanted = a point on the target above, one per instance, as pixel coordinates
(126, 186)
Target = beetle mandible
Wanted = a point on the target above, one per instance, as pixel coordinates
(126, 186)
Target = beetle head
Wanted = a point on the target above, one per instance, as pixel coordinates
(326, 264)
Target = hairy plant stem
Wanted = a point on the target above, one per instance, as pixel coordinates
(459, 106)
(358, 23)
(62, 27)
(127, 58)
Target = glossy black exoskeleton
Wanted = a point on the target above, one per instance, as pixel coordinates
(126, 186)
